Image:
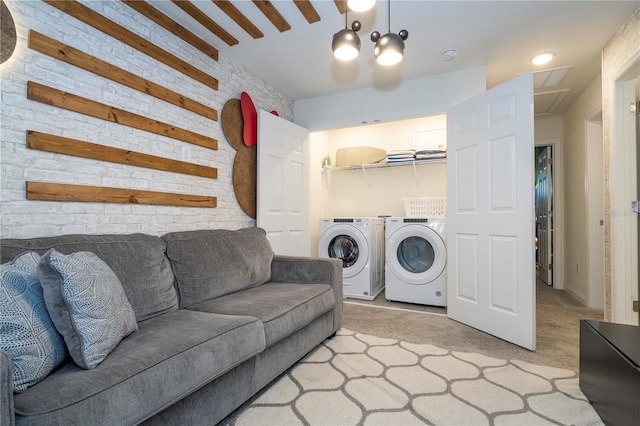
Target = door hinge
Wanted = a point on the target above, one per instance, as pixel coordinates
(635, 207)
(634, 108)
(636, 306)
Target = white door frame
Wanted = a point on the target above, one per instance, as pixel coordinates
(558, 210)
(623, 189)
(594, 191)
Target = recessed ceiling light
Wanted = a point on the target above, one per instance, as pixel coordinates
(542, 58)
(449, 54)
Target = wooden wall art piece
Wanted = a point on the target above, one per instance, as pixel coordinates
(245, 162)
(250, 117)
(43, 44)
(48, 191)
(99, 22)
(62, 145)
(8, 34)
(50, 96)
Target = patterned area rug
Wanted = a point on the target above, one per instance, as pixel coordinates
(360, 379)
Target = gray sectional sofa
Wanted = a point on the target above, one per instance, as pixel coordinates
(219, 317)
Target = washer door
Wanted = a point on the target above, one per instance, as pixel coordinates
(348, 244)
(416, 254)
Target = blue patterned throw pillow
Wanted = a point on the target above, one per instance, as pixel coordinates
(26, 331)
(87, 304)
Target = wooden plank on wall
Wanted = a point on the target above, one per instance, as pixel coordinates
(270, 11)
(172, 26)
(70, 55)
(237, 16)
(48, 191)
(191, 10)
(99, 22)
(307, 10)
(62, 145)
(50, 96)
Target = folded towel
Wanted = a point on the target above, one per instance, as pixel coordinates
(431, 151)
(435, 155)
(431, 158)
(401, 152)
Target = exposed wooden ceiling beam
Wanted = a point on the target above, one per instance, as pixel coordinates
(238, 18)
(173, 27)
(270, 11)
(207, 22)
(307, 9)
(341, 5)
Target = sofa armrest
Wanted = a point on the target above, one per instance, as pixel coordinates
(7, 417)
(307, 270)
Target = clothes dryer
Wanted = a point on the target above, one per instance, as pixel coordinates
(359, 243)
(416, 260)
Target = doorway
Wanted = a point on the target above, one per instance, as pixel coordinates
(544, 207)
(594, 189)
(637, 117)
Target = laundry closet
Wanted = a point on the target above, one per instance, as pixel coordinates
(360, 201)
(372, 190)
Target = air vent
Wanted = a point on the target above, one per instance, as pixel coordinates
(546, 102)
(550, 78)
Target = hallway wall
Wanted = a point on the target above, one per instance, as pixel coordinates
(574, 193)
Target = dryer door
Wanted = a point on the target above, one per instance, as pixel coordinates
(416, 254)
(347, 243)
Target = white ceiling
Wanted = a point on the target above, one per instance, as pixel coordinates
(503, 35)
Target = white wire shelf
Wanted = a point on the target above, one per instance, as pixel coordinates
(383, 165)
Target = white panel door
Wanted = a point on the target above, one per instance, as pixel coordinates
(490, 224)
(283, 174)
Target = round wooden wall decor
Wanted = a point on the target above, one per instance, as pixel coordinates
(8, 35)
(245, 162)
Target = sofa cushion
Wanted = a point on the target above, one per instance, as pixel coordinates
(138, 260)
(169, 357)
(87, 304)
(212, 263)
(283, 308)
(26, 330)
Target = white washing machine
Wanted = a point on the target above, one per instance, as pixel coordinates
(359, 243)
(416, 260)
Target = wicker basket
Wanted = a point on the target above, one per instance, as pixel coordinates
(425, 206)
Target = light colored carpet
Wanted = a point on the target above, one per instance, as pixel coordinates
(357, 378)
(558, 318)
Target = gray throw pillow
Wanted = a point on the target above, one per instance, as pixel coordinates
(26, 331)
(87, 304)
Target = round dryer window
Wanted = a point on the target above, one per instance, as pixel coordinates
(415, 254)
(345, 242)
(346, 248)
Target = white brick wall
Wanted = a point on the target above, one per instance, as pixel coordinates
(21, 218)
(615, 56)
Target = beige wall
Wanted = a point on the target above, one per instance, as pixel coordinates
(548, 128)
(374, 192)
(575, 204)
